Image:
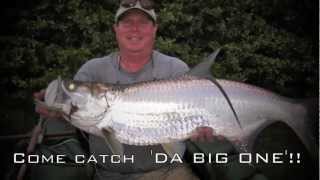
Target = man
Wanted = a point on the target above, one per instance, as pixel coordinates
(135, 28)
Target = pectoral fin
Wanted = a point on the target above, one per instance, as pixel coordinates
(114, 145)
(174, 148)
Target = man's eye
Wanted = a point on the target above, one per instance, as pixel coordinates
(126, 22)
(145, 22)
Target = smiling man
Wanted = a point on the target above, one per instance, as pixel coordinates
(136, 61)
(135, 29)
(135, 33)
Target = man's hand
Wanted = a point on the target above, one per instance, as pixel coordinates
(204, 134)
(42, 110)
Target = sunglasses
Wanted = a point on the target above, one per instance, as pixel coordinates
(146, 4)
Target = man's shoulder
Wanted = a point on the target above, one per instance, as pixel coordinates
(168, 66)
(96, 69)
(105, 60)
(164, 58)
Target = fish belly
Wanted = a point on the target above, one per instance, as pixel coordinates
(168, 112)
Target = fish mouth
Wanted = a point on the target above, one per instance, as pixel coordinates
(58, 98)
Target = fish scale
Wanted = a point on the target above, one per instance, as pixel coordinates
(182, 108)
(173, 124)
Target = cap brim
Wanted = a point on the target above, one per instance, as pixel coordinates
(122, 10)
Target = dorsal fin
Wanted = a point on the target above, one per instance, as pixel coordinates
(203, 70)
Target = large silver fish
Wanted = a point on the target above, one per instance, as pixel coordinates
(166, 111)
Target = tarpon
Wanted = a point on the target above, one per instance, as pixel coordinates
(170, 110)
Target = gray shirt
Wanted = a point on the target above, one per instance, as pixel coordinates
(107, 70)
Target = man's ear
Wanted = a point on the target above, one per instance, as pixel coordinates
(114, 27)
(155, 28)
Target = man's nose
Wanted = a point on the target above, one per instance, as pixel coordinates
(135, 26)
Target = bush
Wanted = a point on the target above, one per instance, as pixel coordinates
(266, 43)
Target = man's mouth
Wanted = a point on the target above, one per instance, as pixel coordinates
(134, 39)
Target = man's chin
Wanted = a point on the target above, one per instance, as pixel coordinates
(135, 49)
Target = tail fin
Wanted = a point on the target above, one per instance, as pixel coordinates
(310, 126)
(312, 107)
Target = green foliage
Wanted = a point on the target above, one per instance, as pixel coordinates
(256, 49)
(51, 38)
(266, 43)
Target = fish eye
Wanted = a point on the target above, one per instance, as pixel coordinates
(72, 86)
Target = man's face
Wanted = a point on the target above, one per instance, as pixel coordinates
(135, 32)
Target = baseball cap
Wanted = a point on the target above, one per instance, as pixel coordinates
(135, 5)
